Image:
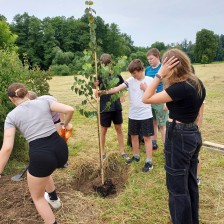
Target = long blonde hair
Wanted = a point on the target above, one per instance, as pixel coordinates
(182, 71)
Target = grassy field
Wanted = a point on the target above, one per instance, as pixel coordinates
(144, 197)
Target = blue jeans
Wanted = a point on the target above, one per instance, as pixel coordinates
(182, 146)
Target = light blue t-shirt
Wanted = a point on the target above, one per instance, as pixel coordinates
(151, 72)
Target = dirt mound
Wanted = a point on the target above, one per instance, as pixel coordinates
(88, 177)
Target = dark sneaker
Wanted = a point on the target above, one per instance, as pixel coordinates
(125, 156)
(136, 159)
(155, 147)
(147, 167)
(104, 156)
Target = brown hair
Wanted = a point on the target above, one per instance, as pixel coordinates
(17, 90)
(136, 65)
(153, 51)
(32, 95)
(105, 59)
(182, 71)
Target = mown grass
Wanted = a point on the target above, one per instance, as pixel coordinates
(145, 198)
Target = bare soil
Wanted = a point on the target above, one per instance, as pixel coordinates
(16, 205)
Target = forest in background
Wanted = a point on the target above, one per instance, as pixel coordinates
(58, 43)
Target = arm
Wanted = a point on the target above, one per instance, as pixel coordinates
(7, 146)
(112, 90)
(65, 109)
(200, 116)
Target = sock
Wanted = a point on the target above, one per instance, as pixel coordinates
(154, 142)
(148, 160)
(136, 155)
(53, 195)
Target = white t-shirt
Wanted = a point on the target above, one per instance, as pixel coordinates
(138, 110)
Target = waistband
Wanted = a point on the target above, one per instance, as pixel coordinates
(182, 125)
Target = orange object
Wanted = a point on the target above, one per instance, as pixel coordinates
(65, 134)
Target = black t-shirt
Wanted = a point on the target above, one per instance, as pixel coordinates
(103, 85)
(186, 101)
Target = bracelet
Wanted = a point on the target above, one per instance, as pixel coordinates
(159, 76)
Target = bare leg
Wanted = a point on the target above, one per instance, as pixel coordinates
(155, 126)
(50, 187)
(163, 132)
(120, 137)
(135, 143)
(37, 187)
(148, 146)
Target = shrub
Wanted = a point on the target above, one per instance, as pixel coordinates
(12, 70)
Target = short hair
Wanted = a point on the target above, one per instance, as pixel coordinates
(153, 51)
(135, 65)
(105, 59)
(32, 95)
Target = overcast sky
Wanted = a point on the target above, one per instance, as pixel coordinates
(146, 21)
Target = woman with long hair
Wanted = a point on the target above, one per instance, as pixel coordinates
(183, 94)
(47, 150)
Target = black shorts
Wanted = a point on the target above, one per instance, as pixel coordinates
(107, 117)
(140, 127)
(47, 154)
(58, 121)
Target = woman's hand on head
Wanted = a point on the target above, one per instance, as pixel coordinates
(167, 66)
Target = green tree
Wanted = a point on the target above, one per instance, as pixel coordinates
(7, 38)
(49, 42)
(206, 45)
(12, 70)
(159, 45)
(220, 48)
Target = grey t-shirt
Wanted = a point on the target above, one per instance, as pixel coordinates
(32, 118)
(55, 115)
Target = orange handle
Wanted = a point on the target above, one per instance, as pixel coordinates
(65, 134)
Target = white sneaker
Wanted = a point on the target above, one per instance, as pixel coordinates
(54, 203)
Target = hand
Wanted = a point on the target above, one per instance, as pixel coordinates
(143, 86)
(96, 83)
(98, 93)
(167, 66)
(69, 127)
(165, 107)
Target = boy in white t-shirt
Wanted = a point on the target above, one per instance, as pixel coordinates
(140, 122)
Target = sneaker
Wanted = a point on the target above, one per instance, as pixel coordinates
(54, 203)
(133, 159)
(198, 181)
(125, 156)
(104, 156)
(148, 166)
(155, 147)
